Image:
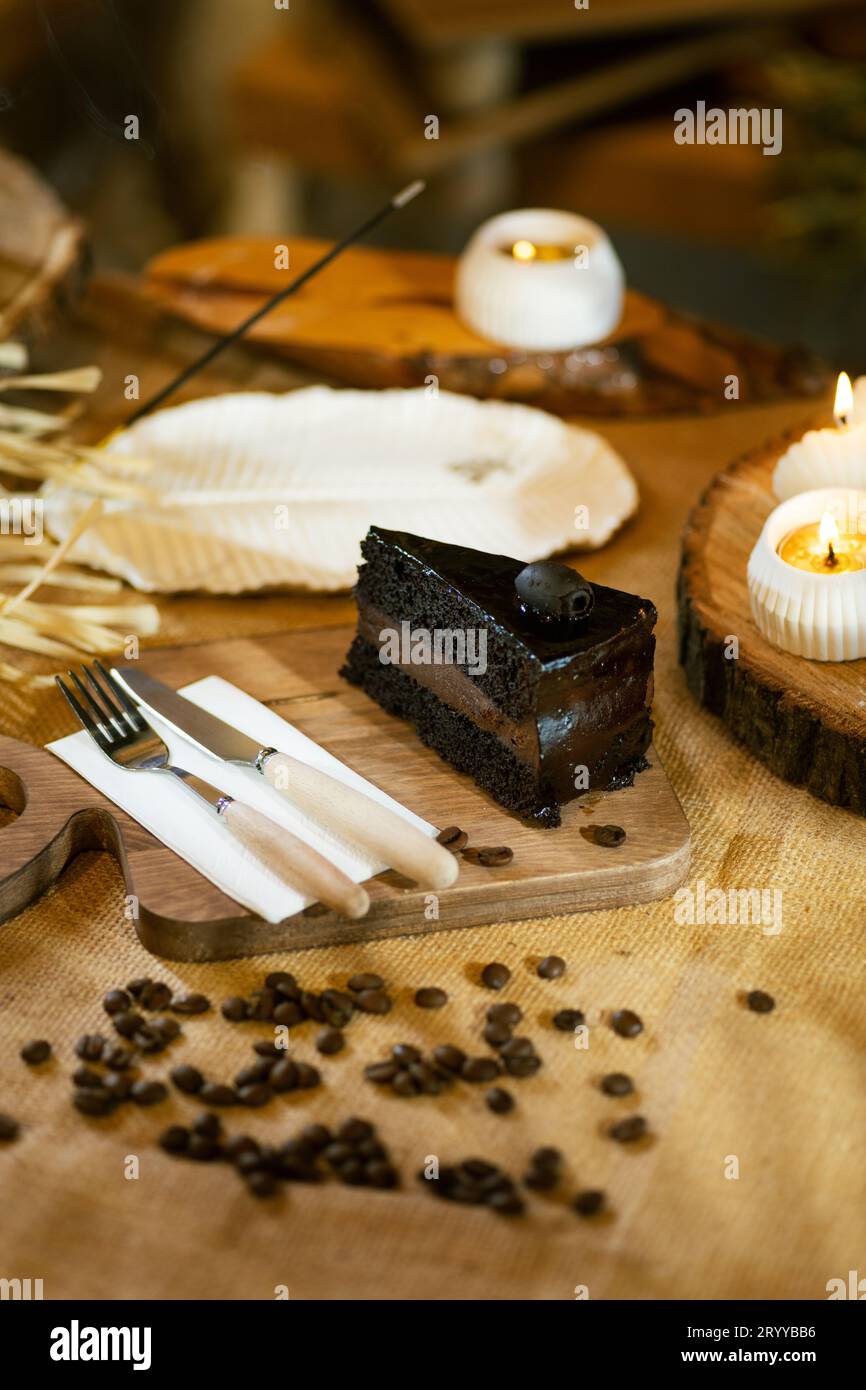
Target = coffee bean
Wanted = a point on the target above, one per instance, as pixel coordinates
(337, 1153)
(190, 1004)
(404, 1084)
(136, 987)
(452, 837)
(188, 1079)
(175, 1139)
(278, 978)
(128, 1022)
(449, 1057)
(381, 1073)
(496, 1034)
(116, 1057)
(92, 1101)
(255, 1095)
(608, 836)
(155, 995)
(289, 1013)
(518, 1047)
(317, 1136)
(541, 1179)
(235, 1009)
(208, 1125)
(551, 968)
(312, 1006)
(116, 1001)
(88, 1078)
(616, 1083)
(495, 975)
(261, 1184)
(588, 1203)
(148, 1092)
(759, 1002)
(405, 1053)
(489, 856)
(337, 1008)
(9, 1129)
(567, 1020)
(283, 1076)
(381, 1174)
(371, 1150)
(499, 1101)
(307, 1076)
(547, 1157)
(506, 1203)
(522, 1066)
(628, 1130)
(359, 983)
(266, 1047)
(626, 1023)
(509, 1014)
(353, 1172)
(213, 1093)
(36, 1052)
(117, 1085)
(202, 1148)
(148, 1039)
(480, 1069)
(257, 1071)
(330, 1041)
(428, 1081)
(166, 1028)
(374, 1001)
(430, 997)
(353, 1130)
(240, 1144)
(89, 1047)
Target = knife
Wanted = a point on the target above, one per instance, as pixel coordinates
(341, 809)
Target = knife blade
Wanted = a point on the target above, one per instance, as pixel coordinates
(349, 813)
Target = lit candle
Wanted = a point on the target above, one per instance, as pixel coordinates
(831, 457)
(807, 575)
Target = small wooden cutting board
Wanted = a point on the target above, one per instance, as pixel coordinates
(179, 915)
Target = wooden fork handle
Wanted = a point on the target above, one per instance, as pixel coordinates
(361, 821)
(296, 863)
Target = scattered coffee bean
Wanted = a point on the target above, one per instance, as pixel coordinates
(330, 1041)
(128, 1022)
(616, 1083)
(9, 1129)
(453, 838)
(166, 1028)
(404, 1053)
(148, 1092)
(337, 1008)
(547, 1157)
(489, 856)
(499, 1101)
(278, 979)
(506, 1203)
(213, 1093)
(255, 1094)
(257, 1071)
(628, 1130)
(476, 1182)
(188, 1079)
(509, 1014)
(551, 968)
(588, 1203)
(608, 836)
(381, 1174)
(496, 1034)
(289, 1013)
(759, 1002)
(354, 1130)
(567, 1020)
(374, 1001)
(88, 1078)
(382, 1073)
(430, 997)
(283, 1076)
(318, 1136)
(449, 1057)
(148, 1039)
(261, 1184)
(90, 1047)
(36, 1052)
(518, 1047)
(480, 1069)
(175, 1139)
(116, 1057)
(307, 1076)
(203, 1149)
(155, 995)
(117, 1085)
(495, 975)
(136, 987)
(359, 983)
(240, 1144)
(312, 1006)
(208, 1124)
(116, 1001)
(235, 1009)
(626, 1023)
(190, 1004)
(404, 1084)
(92, 1101)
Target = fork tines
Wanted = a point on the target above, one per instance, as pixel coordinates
(104, 709)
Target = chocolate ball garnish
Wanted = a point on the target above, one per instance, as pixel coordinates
(553, 595)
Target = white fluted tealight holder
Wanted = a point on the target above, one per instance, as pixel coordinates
(813, 608)
(831, 457)
(541, 280)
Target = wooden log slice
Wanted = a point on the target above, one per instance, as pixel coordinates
(385, 318)
(805, 719)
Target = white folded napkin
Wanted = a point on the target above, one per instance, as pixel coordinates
(183, 822)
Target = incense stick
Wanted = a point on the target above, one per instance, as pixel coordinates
(399, 200)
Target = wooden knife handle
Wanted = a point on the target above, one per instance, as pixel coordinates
(362, 821)
(296, 863)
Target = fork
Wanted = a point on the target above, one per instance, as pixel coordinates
(121, 732)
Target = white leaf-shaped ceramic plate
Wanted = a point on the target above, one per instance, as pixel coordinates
(277, 491)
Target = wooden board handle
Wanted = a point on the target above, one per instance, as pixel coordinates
(296, 863)
(362, 821)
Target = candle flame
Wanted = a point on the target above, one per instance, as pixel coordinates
(524, 251)
(828, 531)
(844, 402)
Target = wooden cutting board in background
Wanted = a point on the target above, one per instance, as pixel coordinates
(380, 318)
(184, 917)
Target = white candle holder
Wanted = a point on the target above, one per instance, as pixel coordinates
(832, 457)
(540, 305)
(819, 616)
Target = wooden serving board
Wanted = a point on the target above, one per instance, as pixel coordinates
(183, 917)
(385, 318)
(805, 719)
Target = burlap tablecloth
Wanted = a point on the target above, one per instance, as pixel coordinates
(782, 1094)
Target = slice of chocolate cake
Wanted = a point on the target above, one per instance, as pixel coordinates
(533, 681)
